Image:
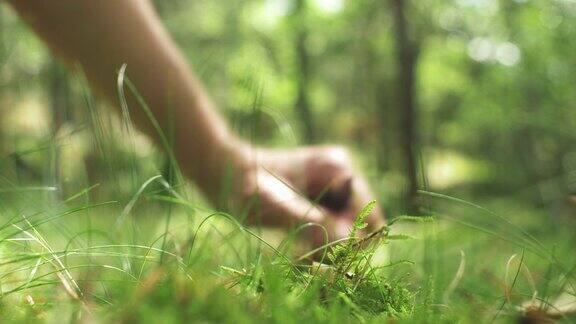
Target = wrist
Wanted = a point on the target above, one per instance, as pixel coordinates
(233, 153)
(226, 162)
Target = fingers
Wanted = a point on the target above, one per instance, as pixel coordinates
(329, 181)
(326, 167)
(275, 204)
(337, 197)
(278, 205)
(337, 187)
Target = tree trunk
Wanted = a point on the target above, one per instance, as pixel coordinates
(303, 73)
(406, 60)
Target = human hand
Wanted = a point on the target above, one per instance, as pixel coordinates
(310, 184)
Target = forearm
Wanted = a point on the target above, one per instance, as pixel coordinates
(100, 36)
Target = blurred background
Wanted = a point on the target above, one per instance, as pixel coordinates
(472, 98)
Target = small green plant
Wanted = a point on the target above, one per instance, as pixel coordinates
(357, 281)
(349, 281)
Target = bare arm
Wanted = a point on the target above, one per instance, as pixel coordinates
(100, 36)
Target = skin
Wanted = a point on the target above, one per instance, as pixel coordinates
(276, 187)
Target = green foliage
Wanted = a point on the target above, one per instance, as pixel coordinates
(495, 119)
(350, 281)
(359, 222)
(354, 276)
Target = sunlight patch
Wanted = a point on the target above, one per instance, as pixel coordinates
(329, 6)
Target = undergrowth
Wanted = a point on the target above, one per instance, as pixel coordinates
(95, 275)
(349, 280)
(152, 253)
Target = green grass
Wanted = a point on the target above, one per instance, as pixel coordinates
(137, 246)
(73, 260)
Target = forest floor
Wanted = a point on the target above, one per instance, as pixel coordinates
(161, 258)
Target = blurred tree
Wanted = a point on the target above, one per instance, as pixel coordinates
(406, 61)
(303, 71)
